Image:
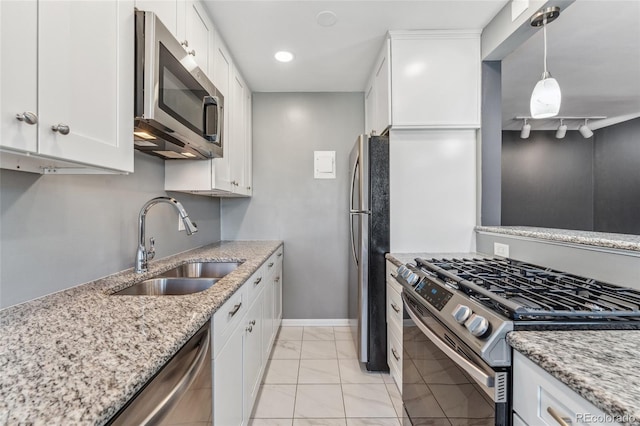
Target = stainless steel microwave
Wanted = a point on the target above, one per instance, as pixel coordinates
(178, 110)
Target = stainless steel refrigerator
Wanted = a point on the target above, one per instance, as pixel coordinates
(369, 231)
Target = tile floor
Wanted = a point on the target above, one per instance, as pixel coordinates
(313, 378)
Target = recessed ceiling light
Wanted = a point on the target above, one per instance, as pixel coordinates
(284, 56)
(326, 18)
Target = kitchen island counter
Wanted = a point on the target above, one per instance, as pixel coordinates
(601, 366)
(77, 356)
(590, 238)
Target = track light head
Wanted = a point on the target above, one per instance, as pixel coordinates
(585, 131)
(562, 130)
(526, 130)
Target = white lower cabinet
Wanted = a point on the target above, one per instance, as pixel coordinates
(394, 326)
(540, 399)
(243, 332)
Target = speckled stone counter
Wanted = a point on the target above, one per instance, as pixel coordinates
(599, 239)
(77, 356)
(601, 366)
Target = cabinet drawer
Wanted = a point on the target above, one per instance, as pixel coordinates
(394, 358)
(256, 284)
(271, 264)
(392, 270)
(227, 317)
(394, 308)
(537, 394)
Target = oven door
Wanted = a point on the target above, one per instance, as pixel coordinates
(443, 381)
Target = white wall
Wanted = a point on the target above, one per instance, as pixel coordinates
(60, 231)
(309, 215)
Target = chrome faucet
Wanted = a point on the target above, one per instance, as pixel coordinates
(144, 255)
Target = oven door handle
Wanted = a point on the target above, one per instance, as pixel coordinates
(474, 371)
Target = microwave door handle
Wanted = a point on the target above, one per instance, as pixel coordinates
(209, 101)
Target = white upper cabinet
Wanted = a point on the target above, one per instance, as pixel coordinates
(83, 84)
(19, 75)
(166, 10)
(199, 36)
(425, 79)
(435, 79)
(229, 176)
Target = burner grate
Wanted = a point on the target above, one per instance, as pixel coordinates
(524, 291)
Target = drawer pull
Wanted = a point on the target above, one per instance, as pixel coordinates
(562, 421)
(235, 309)
(249, 329)
(395, 307)
(277, 279)
(279, 254)
(256, 282)
(252, 322)
(395, 354)
(270, 264)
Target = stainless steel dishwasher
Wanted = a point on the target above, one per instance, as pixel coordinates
(181, 391)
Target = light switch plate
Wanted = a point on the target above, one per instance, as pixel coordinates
(324, 164)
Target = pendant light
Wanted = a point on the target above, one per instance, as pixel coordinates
(546, 96)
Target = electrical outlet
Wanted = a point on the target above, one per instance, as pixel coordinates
(501, 250)
(180, 224)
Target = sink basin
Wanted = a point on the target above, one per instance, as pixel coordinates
(168, 286)
(202, 270)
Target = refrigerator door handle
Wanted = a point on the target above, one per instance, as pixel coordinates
(353, 241)
(353, 182)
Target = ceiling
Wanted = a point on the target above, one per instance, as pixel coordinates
(593, 53)
(329, 59)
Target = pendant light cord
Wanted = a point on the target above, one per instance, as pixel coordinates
(544, 33)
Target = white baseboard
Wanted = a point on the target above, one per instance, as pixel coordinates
(328, 322)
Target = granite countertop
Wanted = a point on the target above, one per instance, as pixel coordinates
(599, 239)
(77, 356)
(601, 366)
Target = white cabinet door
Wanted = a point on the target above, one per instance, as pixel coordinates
(277, 294)
(370, 109)
(248, 145)
(436, 79)
(237, 134)
(227, 381)
(221, 78)
(267, 316)
(252, 356)
(382, 83)
(199, 35)
(84, 82)
(18, 74)
(165, 10)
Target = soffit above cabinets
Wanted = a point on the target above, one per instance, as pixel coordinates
(334, 58)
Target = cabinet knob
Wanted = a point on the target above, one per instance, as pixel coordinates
(191, 52)
(184, 43)
(63, 129)
(252, 322)
(28, 117)
(249, 329)
(249, 188)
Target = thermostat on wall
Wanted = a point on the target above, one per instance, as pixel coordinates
(324, 164)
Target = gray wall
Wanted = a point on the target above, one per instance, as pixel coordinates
(573, 183)
(309, 215)
(491, 143)
(617, 178)
(547, 181)
(60, 231)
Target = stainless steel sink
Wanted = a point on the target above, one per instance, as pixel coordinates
(202, 270)
(168, 286)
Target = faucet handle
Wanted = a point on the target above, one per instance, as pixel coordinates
(151, 253)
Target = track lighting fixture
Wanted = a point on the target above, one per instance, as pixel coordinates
(584, 130)
(526, 130)
(546, 96)
(562, 130)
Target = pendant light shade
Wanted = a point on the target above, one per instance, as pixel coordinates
(545, 99)
(546, 96)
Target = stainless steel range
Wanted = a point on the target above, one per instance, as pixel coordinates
(460, 312)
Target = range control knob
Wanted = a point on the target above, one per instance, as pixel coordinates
(412, 279)
(477, 325)
(461, 313)
(401, 270)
